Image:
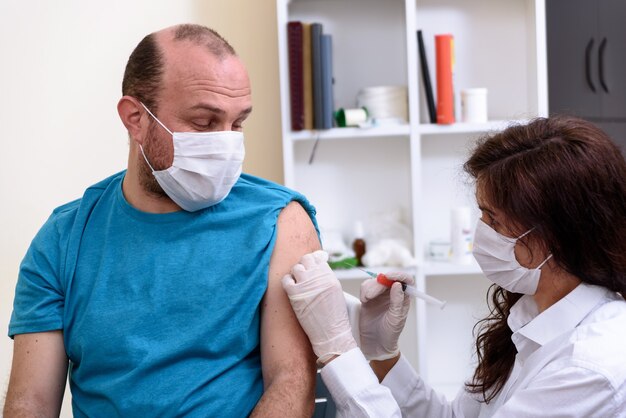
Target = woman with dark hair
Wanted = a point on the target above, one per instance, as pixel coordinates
(552, 238)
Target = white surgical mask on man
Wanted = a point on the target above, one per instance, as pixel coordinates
(205, 168)
(495, 253)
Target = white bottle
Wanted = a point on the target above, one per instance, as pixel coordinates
(461, 235)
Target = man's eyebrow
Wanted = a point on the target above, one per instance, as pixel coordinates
(220, 111)
(213, 109)
(245, 112)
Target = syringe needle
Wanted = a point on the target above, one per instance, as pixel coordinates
(413, 292)
(408, 290)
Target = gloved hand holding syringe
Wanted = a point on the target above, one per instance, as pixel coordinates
(317, 299)
(408, 290)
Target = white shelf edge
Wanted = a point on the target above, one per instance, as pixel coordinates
(425, 129)
(462, 128)
(356, 274)
(430, 268)
(345, 133)
(447, 268)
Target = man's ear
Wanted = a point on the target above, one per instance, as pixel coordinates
(130, 111)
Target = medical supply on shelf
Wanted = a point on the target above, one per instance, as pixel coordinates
(351, 117)
(358, 245)
(340, 256)
(408, 290)
(339, 262)
(474, 105)
(385, 105)
(439, 250)
(461, 235)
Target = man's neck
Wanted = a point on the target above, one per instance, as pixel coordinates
(142, 200)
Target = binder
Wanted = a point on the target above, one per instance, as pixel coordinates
(296, 86)
(327, 81)
(428, 88)
(316, 58)
(444, 51)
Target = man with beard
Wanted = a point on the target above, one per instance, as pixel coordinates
(159, 290)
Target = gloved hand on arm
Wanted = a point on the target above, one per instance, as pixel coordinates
(383, 315)
(317, 299)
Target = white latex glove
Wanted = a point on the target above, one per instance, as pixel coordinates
(383, 315)
(317, 299)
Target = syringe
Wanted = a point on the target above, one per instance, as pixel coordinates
(408, 290)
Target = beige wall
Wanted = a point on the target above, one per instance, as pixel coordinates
(60, 78)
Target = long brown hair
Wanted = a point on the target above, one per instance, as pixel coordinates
(566, 179)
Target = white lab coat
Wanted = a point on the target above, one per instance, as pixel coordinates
(571, 362)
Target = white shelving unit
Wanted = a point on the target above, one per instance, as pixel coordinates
(415, 168)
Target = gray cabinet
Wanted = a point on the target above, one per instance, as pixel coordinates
(586, 41)
(612, 31)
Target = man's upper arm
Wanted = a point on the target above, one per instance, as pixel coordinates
(285, 349)
(38, 375)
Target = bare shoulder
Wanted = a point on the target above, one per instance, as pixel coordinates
(296, 233)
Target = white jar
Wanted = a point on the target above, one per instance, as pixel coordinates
(474, 105)
(439, 250)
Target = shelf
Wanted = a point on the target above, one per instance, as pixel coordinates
(463, 128)
(401, 130)
(356, 274)
(414, 168)
(430, 268)
(346, 133)
(446, 268)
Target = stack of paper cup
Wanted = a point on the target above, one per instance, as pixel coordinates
(385, 104)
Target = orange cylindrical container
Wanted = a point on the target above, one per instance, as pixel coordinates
(444, 62)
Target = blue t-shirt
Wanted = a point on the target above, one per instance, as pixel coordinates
(160, 312)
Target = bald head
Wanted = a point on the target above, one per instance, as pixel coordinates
(143, 76)
(201, 35)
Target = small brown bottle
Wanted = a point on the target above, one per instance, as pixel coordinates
(358, 245)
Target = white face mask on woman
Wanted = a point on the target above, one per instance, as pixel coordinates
(205, 168)
(495, 253)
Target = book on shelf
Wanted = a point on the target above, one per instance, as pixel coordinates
(428, 88)
(316, 59)
(327, 81)
(444, 54)
(296, 85)
(310, 76)
(307, 76)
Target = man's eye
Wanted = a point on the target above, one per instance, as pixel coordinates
(204, 124)
(238, 124)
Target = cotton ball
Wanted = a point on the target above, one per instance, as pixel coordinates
(389, 252)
